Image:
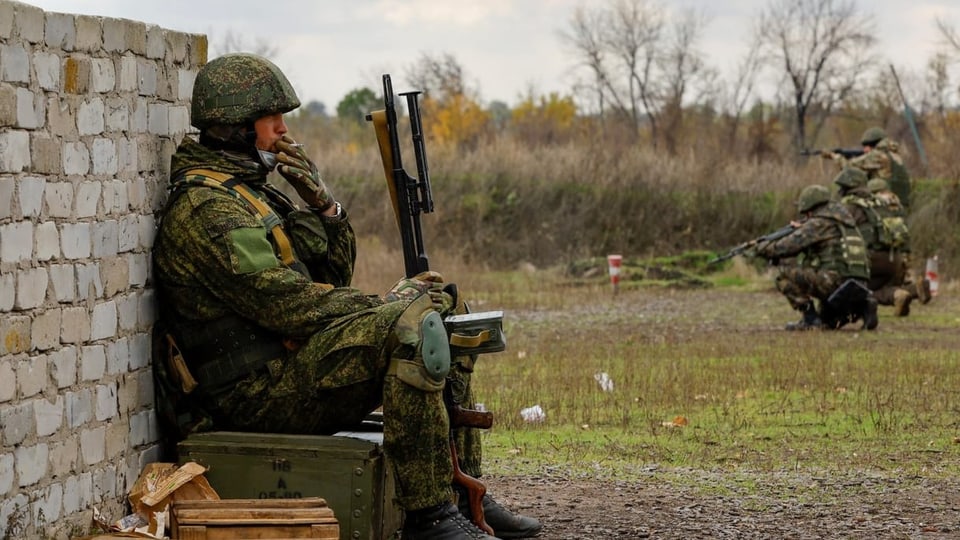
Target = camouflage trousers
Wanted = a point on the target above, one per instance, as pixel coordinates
(888, 272)
(800, 285)
(338, 377)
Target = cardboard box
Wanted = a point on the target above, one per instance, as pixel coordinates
(349, 472)
(238, 519)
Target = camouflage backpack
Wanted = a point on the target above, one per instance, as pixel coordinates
(899, 180)
(890, 232)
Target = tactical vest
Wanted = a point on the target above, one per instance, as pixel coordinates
(847, 256)
(884, 230)
(225, 350)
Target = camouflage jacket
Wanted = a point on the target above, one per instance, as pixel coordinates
(828, 239)
(884, 161)
(859, 201)
(213, 257)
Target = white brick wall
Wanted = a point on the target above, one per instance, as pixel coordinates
(90, 110)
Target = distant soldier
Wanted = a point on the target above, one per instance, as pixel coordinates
(830, 251)
(881, 159)
(886, 236)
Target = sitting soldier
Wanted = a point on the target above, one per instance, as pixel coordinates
(831, 265)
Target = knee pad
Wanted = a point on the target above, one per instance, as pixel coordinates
(421, 327)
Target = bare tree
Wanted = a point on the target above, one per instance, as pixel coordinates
(823, 48)
(949, 34)
(231, 42)
(440, 77)
(742, 88)
(640, 67)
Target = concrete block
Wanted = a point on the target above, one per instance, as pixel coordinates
(6, 26)
(62, 364)
(185, 80)
(79, 407)
(89, 33)
(140, 354)
(16, 242)
(14, 63)
(148, 231)
(45, 330)
(128, 394)
(47, 68)
(47, 241)
(147, 313)
(75, 240)
(31, 463)
(49, 415)
(14, 151)
(59, 199)
(140, 428)
(30, 109)
(31, 288)
(104, 155)
(156, 42)
(93, 446)
(115, 199)
(17, 423)
(8, 381)
(8, 291)
(76, 158)
(6, 474)
(103, 75)
(88, 199)
(16, 334)
(137, 193)
(179, 120)
(8, 105)
(106, 408)
(113, 273)
(28, 22)
(91, 117)
(86, 488)
(64, 283)
(104, 321)
(146, 77)
(106, 238)
(31, 195)
(47, 505)
(76, 325)
(118, 356)
(61, 118)
(93, 362)
(129, 229)
(76, 75)
(45, 154)
(7, 187)
(61, 32)
(158, 119)
(117, 114)
(71, 495)
(118, 444)
(65, 458)
(89, 282)
(127, 158)
(138, 267)
(32, 376)
(13, 515)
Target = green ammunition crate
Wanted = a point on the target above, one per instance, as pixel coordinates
(349, 472)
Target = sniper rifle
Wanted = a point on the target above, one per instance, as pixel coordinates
(742, 248)
(469, 334)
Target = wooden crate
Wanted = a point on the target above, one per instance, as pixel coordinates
(245, 519)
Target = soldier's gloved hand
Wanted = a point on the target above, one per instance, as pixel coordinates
(302, 174)
(428, 282)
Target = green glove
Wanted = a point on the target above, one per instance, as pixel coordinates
(428, 282)
(302, 174)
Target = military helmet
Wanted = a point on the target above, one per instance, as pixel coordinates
(238, 89)
(877, 184)
(872, 136)
(812, 196)
(851, 177)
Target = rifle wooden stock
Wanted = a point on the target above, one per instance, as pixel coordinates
(411, 197)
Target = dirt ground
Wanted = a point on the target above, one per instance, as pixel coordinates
(781, 506)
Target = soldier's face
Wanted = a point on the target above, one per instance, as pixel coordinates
(269, 130)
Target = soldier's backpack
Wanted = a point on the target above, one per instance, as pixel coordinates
(899, 180)
(890, 232)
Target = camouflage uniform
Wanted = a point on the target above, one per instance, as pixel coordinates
(829, 250)
(879, 162)
(327, 352)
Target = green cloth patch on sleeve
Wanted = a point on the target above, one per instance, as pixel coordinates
(250, 251)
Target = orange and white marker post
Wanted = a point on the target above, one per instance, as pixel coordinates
(613, 264)
(932, 276)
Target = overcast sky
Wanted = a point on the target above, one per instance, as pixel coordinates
(329, 47)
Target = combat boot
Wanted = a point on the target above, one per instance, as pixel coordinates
(443, 522)
(923, 291)
(809, 321)
(505, 524)
(901, 302)
(870, 320)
